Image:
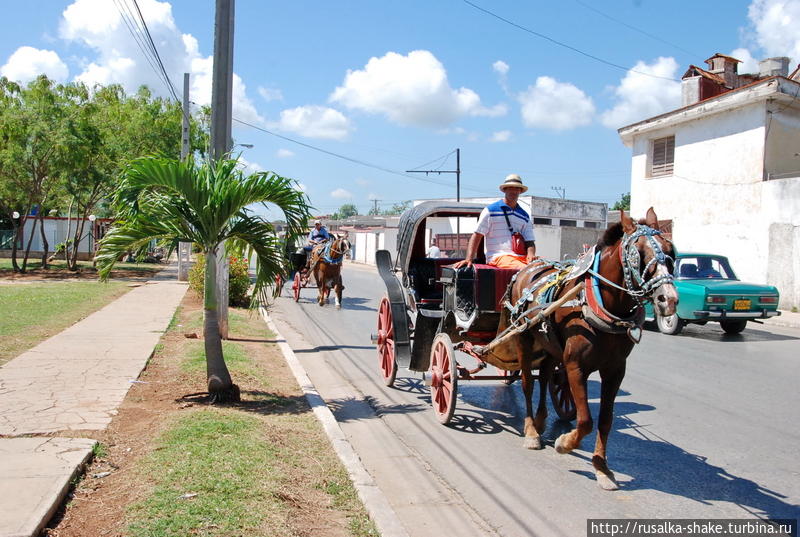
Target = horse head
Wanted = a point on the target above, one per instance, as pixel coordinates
(339, 246)
(647, 262)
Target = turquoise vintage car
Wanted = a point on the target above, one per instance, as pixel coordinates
(708, 290)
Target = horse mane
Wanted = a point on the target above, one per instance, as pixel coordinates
(613, 234)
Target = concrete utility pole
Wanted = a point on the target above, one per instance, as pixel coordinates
(184, 248)
(221, 115)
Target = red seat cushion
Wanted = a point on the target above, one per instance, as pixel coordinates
(490, 285)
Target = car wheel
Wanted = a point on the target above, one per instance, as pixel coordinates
(733, 327)
(669, 324)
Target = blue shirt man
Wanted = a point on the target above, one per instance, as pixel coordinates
(317, 235)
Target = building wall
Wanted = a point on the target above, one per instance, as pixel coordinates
(717, 197)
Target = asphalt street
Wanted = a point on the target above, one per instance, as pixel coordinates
(704, 428)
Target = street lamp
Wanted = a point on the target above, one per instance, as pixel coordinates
(246, 146)
(15, 215)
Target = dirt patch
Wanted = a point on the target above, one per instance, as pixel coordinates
(98, 504)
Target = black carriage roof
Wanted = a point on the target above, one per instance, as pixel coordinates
(411, 218)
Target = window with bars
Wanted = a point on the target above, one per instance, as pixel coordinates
(663, 158)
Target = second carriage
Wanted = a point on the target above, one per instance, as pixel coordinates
(431, 310)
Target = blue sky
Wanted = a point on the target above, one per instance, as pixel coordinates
(399, 84)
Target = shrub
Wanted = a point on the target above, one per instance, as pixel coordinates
(238, 279)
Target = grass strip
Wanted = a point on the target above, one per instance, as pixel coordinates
(61, 265)
(33, 312)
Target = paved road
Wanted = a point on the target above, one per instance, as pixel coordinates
(705, 428)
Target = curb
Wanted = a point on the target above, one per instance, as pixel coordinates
(374, 500)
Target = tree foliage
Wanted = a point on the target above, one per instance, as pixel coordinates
(345, 211)
(624, 203)
(63, 147)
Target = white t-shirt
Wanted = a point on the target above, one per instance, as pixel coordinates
(434, 251)
(492, 225)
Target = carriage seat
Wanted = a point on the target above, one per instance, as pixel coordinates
(490, 285)
(425, 273)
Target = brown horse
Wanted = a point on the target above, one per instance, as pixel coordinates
(326, 266)
(595, 332)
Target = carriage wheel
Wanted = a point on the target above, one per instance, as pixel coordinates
(386, 353)
(279, 281)
(296, 286)
(561, 396)
(444, 378)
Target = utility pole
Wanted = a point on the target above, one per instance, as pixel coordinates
(221, 114)
(375, 206)
(457, 171)
(184, 248)
(560, 190)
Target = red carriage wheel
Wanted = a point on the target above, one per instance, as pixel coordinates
(444, 378)
(561, 396)
(386, 353)
(296, 284)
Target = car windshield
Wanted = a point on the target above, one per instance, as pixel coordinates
(703, 266)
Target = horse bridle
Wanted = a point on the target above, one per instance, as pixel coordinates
(631, 272)
(341, 252)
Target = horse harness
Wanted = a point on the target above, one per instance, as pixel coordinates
(545, 290)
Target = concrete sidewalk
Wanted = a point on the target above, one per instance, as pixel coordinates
(73, 381)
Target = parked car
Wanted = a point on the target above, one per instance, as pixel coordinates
(708, 290)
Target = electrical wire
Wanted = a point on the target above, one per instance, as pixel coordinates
(155, 51)
(635, 29)
(561, 44)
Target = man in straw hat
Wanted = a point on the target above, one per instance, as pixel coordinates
(497, 223)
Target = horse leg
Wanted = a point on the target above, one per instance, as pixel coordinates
(545, 373)
(532, 438)
(609, 386)
(583, 426)
(338, 290)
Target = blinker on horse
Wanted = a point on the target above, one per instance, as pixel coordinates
(632, 264)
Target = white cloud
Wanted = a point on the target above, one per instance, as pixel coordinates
(777, 27)
(501, 136)
(555, 105)
(249, 167)
(372, 196)
(341, 193)
(640, 97)
(270, 94)
(362, 182)
(410, 90)
(99, 25)
(284, 153)
(26, 63)
(500, 67)
(315, 122)
(749, 63)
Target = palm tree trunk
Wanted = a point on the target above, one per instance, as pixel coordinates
(220, 385)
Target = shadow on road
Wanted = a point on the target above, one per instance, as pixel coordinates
(319, 348)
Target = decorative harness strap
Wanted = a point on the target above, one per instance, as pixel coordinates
(326, 254)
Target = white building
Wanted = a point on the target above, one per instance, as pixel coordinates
(725, 169)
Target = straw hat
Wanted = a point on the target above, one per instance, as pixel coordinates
(513, 180)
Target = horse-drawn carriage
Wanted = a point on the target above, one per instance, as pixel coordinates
(325, 267)
(432, 309)
(563, 320)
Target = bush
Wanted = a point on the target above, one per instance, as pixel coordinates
(238, 279)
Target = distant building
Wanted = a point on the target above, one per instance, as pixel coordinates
(724, 170)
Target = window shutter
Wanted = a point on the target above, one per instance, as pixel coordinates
(663, 156)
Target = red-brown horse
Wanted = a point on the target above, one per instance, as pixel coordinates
(326, 266)
(595, 332)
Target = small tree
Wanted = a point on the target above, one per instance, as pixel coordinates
(623, 204)
(398, 208)
(346, 211)
(175, 201)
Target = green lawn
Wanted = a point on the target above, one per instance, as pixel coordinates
(60, 264)
(33, 312)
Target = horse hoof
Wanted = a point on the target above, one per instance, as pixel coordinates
(606, 481)
(338, 306)
(532, 442)
(560, 445)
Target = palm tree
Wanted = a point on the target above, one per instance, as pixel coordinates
(171, 201)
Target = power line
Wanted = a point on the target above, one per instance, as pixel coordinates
(155, 51)
(561, 44)
(350, 159)
(635, 29)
